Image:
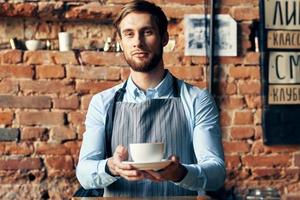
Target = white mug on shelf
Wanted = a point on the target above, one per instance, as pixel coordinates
(65, 41)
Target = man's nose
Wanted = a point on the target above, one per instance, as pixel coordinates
(138, 40)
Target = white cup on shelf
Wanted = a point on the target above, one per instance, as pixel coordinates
(33, 45)
(65, 41)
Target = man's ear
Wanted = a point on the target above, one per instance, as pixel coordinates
(165, 39)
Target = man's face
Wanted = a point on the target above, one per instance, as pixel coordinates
(141, 42)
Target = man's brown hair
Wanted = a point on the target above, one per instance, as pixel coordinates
(145, 7)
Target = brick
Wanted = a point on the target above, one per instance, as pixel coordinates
(242, 132)
(50, 71)
(187, 73)
(41, 118)
(258, 147)
(232, 102)
(47, 87)
(263, 173)
(266, 160)
(80, 131)
(178, 11)
(8, 86)
(24, 9)
(43, 148)
(226, 88)
(191, 2)
(244, 13)
(25, 101)
(291, 173)
(50, 10)
(93, 10)
(16, 71)
(253, 101)
(33, 133)
(258, 117)
(243, 118)
(94, 73)
(229, 60)
(236, 147)
(297, 160)
(85, 101)
(225, 118)
(46, 30)
(238, 2)
(103, 58)
(125, 72)
(50, 57)
(252, 58)
(6, 118)
(19, 148)
(76, 118)
(59, 163)
(251, 87)
(246, 29)
(258, 132)
(292, 196)
(73, 147)
(93, 86)
(245, 72)
(23, 164)
(62, 133)
(232, 161)
(71, 102)
(10, 56)
(172, 59)
(9, 134)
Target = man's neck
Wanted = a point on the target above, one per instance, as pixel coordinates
(146, 80)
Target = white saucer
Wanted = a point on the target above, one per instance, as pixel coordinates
(149, 165)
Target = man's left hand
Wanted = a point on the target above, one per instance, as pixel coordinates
(174, 172)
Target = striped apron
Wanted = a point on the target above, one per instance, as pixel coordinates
(154, 120)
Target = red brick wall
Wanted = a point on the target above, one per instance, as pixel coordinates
(44, 95)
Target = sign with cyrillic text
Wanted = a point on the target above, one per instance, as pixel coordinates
(284, 94)
(283, 39)
(284, 67)
(282, 14)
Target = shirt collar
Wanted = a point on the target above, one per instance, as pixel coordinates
(162, 89)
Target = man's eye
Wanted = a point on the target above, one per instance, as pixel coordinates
(148, 32)
(128, 34)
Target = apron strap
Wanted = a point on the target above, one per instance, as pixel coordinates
(109, 121)
(110, 116)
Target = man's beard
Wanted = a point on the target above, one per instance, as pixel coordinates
(145, 66)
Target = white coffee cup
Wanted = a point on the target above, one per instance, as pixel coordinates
(33, 45)
(65, 41)
(146, 152)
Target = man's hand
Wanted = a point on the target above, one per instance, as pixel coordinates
(126, 171)
(174, 172)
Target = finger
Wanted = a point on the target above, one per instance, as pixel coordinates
(121, 152)
(129, 173)
(150, 177)
(134, 178)
(156, 175)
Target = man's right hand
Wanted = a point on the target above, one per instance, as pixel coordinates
(117, 168)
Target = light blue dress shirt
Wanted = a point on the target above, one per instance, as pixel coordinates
(202, 114)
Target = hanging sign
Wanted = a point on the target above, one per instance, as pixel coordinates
(280, 60)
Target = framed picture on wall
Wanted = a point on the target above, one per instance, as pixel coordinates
(196, 32)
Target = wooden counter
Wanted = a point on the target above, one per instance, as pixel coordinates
(144, 198)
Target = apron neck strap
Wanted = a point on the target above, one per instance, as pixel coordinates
(120, 93)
